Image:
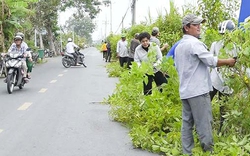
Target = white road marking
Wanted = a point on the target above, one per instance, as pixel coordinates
(53, 81)
(1, 130)
(25, 106)
(60, 75)
(43, 90)
(65, 71)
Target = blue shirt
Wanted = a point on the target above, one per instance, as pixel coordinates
(171, 51)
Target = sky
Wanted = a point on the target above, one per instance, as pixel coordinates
(119, 8)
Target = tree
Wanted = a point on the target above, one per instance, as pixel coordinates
(82, 25)
(89, 7)
(13, 18)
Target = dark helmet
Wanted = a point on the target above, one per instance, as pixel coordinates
(227, 25)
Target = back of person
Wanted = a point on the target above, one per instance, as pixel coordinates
(134, 43)
(155, 40)
(104, 47)
(70, 47)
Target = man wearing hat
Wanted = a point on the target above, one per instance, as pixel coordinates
(192, 60)
(122, 50)
(155, 33)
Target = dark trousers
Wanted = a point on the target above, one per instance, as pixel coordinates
(222, 108)
(108, 56)
(104, 54)
(130, 60)
(159, 79)
(76, 57)
(123, 60)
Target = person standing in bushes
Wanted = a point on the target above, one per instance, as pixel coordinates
(141, 55)
(154, 38)
(122, 50)
(109, 54)
(133, 44)
(218, 81)
(192, 60)
(104, 50)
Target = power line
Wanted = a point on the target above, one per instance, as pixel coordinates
(122, 19)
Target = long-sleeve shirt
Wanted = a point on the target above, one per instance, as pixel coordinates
(122, 48)
(13, 47)
(141, 55)
(134, 43)
(21, 51)
(192, 60)
(70, 47)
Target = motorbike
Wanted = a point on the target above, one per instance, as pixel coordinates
(35, 57)
(69, 60)
(48, 53)
(3, 70)
(15, 72)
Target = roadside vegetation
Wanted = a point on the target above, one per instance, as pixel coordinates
(155, 121)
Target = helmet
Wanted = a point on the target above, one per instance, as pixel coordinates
(123, 35)
(20, 34)
(69, 39)
(18, 37)
(227, 25)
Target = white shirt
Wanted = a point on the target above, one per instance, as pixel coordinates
(218, 81)
(70, 47)
(122, 48)
(141, 55)
(192, 60)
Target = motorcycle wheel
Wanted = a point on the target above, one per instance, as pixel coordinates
(10, 83)
(66, 62)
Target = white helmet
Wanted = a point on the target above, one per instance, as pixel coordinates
(69, 39)
(227, 25)
(20, 34)
(18, 37)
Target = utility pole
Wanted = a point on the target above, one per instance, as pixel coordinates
(108, 3)
(133, 10)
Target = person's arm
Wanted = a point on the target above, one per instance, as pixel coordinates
(11, 47)
(158, 57)
(136, 57)
(118, 48)
(165, 46)
(226, 62)
(132, 46)
(75, 46)
(207, 57)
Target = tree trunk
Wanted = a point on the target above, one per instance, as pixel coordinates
(2, 34)
(41, 41)
(50, 38)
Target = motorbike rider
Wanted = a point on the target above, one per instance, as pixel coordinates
(70, 49)
(20, 48)
(24, 44)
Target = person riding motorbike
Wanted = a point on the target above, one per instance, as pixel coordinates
(70, 48)
(20, 48)
(29, 60)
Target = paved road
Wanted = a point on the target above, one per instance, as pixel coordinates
(56, 114)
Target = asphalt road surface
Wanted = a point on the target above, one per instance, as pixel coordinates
(58, 113)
